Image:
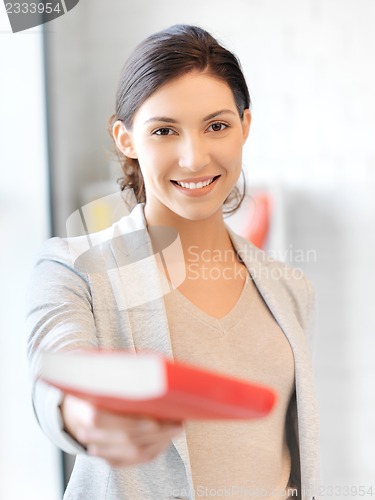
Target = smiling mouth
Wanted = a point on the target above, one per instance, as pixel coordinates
(196, 185)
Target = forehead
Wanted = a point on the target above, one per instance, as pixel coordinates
(193, 94)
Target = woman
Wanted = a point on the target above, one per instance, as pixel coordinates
(182, 117)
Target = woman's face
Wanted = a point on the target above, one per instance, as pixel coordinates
(188, 139)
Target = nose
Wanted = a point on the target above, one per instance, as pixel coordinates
(193, 154)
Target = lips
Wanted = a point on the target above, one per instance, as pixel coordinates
(196, 183)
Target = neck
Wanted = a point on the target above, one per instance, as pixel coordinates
(204, 234)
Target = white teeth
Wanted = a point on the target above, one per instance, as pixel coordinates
(193, 185)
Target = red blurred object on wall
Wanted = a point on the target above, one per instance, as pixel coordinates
(258, 220)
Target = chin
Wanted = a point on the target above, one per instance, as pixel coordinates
(198, 214)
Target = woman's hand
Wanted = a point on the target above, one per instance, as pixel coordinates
(118, 439)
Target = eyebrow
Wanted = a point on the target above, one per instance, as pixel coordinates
(165, 119)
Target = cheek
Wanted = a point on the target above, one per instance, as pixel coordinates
(148, 160)
(153, 156)
(155, 167)
(230, 155)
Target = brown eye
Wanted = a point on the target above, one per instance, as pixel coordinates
(217, 126)
(163, 131)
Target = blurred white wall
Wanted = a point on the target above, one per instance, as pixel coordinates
(29, 464)
(310, 69)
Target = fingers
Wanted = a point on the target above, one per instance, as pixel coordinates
(127, 455)
(124, 437)
(124, 440)
(101, 424)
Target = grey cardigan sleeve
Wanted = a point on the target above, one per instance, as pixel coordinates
(59, 316)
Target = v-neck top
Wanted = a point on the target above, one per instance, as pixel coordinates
(225, 323)
(236, 456)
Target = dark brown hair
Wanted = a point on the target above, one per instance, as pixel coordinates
(159, 59)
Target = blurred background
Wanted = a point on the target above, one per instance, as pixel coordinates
(310, 67)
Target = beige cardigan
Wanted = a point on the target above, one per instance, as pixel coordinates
(71, 306)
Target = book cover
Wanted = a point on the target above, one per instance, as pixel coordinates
(150, 384)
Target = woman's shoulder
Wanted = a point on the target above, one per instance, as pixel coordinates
(55, 248)
(263, 260)
(85, 252)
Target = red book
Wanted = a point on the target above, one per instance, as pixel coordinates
(149, 384)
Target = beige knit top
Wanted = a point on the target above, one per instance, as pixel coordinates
(237, 459)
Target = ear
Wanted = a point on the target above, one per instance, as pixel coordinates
(246, 122)
(123, 139)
